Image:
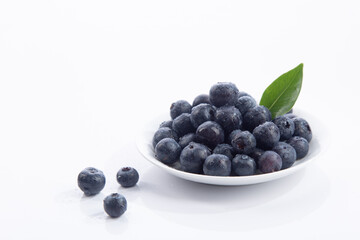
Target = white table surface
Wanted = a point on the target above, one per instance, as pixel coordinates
(79, 78)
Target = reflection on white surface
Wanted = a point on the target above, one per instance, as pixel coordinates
(237, 208)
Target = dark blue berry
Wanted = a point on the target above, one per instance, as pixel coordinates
(163, 132)
(291, 111)
(91, 181)
(286, 127)
(267, 135)
(223, 93)
(244, 103)
(166, 124)
(243, 165)
(193, 156)
(179, 107)
(225, 149)
(186, 139)
(202, 113)
(202, 98)
(229, 118)
(256, 154)
(127, 177)
(182, 124)
(243, 141)
(287, 154)
(301, 146)
(230, 136)
(115, 205)
(256, 116)
(269, 162)
(217, 165)
(167, 151)
(302, 129)
(242, 94)
(210, 133)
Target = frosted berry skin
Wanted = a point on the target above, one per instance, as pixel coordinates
(223, 93)
(229, 118)
(225, 149)
(242, 94)
(202, 113)
(269, 162)
(243, 141)
(301, 146)
(267, 135)
(255, 117)
(179, 107)
(210, 133)
(245, 103)
(217, 165)
(243, 165)
(166, 124)
(163, 132)
(287, 154)
(115, 205)
(167, 151)
(202, 98)
(302, 128)
(91, 181)
(286, 127)
(186, 139)
(127, 177)
(192, 157)
(182, 125)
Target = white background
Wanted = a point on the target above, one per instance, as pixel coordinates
(79, 78)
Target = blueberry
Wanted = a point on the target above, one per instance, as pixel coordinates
(91, 181)
(291, 111)
(286, 127)
(225, 149)
(182, 124)
(193, 156)
(217, 165)
(115, 205)
(163, 132)
(256, 116)
(301, 146)
(256, 154)
(302, 129)
(186, 139)
(229, 118)
(242, 94)
(223, 93)
(243, 141)
(230, 136)
(243, 165)
(166, 124)
(179, 107)
(269, 162)
(244, 103)
(210, 133)
(127, 177)
(167, 151)
(287, 154)
(202, 113)
(202, 98)
(267, 135)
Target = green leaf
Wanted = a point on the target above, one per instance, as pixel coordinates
(280, 96)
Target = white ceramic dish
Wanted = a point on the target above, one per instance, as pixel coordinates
(144, 144)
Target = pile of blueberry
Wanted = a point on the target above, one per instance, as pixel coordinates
(226, 133)
(91, 181)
